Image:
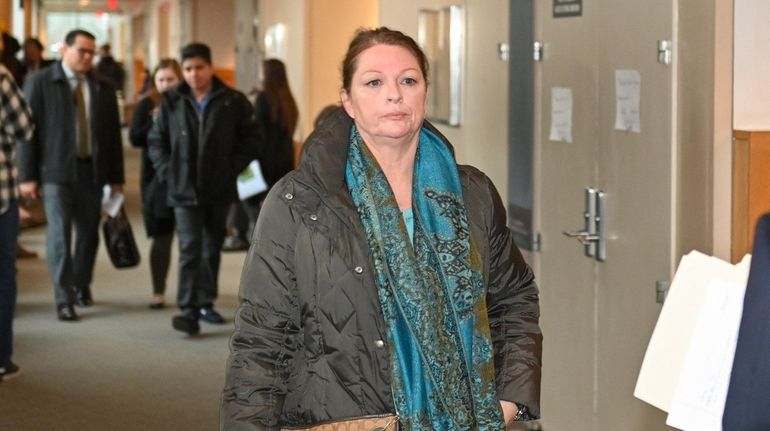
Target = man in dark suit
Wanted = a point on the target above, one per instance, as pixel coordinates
(76, 149)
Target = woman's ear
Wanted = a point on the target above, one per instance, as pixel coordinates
(346, 103)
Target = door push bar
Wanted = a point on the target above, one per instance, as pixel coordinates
(593, 235)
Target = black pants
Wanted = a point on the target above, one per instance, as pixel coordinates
(201, 231)
(9, 228)
(160, 259)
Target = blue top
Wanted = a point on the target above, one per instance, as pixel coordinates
(408, 215)
(201, 105)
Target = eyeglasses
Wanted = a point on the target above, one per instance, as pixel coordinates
(85, 51)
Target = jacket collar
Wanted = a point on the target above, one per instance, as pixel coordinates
(217, 86)
(57, 73)
(325, 152)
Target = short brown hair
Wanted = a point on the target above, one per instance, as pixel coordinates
(367, 38)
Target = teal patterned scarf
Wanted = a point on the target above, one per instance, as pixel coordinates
(431, 291)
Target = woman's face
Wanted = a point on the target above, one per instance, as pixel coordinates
(387, 95)
(165, 79)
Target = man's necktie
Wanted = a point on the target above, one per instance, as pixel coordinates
(84, 150)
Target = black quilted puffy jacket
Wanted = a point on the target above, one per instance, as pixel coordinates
(308, 345)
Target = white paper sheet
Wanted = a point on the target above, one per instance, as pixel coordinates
(628, 85)
(561, 114)
(111, 202)
(699, 400)
(665, 357)
(250, 181)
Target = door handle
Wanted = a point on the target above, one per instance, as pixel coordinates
(592, 237)
(585, 238)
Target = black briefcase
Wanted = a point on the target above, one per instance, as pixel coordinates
(119, 239)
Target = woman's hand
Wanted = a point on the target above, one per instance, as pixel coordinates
(509, 411)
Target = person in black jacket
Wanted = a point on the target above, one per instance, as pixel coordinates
(76, 149)
(158, 216)
(278, 114)
(383, 289)
(111, 68)
(11, 48)
(33, 56)
(205, 134)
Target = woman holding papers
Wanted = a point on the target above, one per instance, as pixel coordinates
(158, 217)
(277, 113)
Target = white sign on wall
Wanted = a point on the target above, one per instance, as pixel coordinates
(628, 84)
(561, 114)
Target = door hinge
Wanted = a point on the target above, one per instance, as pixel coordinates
(536, 241)
(665, 52)
(503, 51)
(537, 51)
(661, 290)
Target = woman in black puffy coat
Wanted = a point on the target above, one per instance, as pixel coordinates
(383, 289)
(158, 217)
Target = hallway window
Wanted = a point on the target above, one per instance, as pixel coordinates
(59, 23)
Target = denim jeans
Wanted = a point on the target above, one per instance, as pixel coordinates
(9, 230)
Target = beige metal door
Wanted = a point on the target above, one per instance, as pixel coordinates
(598, 316)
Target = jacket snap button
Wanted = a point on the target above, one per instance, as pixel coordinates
(313, 217)
(379, 343)
(289, 196)
(358, 270)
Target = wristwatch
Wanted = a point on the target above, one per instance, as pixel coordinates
(523, 414)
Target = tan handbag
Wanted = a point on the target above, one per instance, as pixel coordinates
(369, 423)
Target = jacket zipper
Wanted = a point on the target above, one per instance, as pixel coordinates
(198, 139)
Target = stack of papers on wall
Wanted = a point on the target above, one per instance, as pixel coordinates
(686, 370)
